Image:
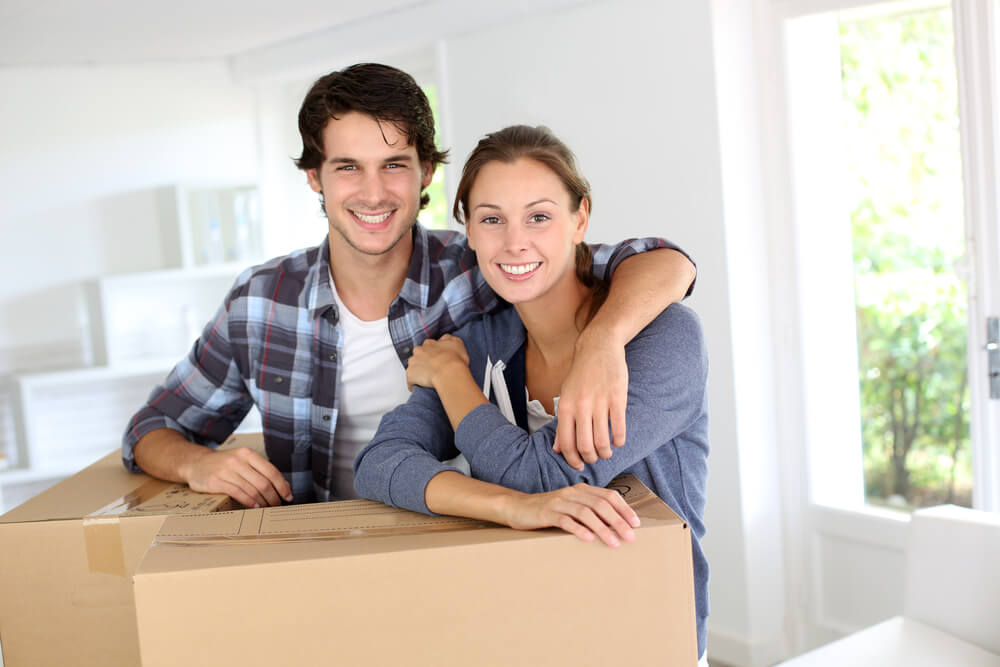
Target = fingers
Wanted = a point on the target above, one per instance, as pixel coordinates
(585, 434)
(244, 475)
(274, 483)
(587, 511)
(602, 439)
(618, 420)
(566, 439)
(238, 494)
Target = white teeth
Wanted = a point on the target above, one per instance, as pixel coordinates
(519, 269)
(372, 219)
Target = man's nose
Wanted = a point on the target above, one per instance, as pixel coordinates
(372, 188)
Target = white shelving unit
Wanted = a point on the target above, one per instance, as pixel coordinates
(140, 325)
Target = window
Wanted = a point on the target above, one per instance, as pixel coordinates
(435, 215)
(904, 192)
(894, 202)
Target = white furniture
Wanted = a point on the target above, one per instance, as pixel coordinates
(133, 328)
(951, 608)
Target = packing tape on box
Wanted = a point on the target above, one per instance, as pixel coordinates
(102, 529)
(103, 539)
(141, 494)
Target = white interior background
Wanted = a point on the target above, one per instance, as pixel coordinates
(657, 97)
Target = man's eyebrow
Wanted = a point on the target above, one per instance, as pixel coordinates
(341, 160)
(399, 158)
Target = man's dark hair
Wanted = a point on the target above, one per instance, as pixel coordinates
(385, 93)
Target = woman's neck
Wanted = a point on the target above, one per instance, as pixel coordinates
(553, 323)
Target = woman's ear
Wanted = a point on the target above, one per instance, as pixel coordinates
(582, 221)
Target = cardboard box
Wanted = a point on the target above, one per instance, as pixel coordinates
(359, 583)
(66, 560)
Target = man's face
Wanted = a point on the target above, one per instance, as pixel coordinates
(371, 181)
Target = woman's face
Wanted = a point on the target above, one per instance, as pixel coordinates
(523, 228)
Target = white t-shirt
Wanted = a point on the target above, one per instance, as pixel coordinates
(372, 382)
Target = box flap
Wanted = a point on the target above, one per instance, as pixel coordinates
(91, 489)
(353, 518)
(107, 489)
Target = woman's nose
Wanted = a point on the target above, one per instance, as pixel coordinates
(515, 238)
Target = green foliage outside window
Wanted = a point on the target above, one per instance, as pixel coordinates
(907, 222)
(435, 214)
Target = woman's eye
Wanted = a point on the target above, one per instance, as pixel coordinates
(490, 220)
(538, 217)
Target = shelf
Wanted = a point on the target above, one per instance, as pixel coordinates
(204, 224)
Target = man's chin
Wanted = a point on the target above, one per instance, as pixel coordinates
(375, 244)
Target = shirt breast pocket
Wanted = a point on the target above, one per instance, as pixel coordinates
(284, 399)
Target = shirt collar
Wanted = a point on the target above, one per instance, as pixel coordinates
(415, 289)
(320, 292)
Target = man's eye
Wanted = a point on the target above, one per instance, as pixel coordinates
(347, 167)
(394, 165)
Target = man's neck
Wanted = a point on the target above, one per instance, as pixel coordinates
(368, 284)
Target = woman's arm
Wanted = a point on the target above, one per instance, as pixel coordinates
(667, 374)
(402, 467)
(583, 510)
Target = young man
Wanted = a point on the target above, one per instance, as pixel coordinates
(318, 340)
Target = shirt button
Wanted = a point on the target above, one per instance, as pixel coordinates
(326, 418)
(333, 356)
(279, 380)
(407, 349)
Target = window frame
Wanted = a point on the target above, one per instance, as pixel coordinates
(835, 473)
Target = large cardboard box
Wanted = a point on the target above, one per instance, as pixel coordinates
(359, 583)
(66, 562)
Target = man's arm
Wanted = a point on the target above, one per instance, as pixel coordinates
(242, 474)
(202, 399)
(595, 390)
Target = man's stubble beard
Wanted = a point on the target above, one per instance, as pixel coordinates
(403, 232)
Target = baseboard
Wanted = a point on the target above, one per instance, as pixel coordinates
(743, 652)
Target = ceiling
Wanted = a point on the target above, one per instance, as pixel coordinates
(74, 32)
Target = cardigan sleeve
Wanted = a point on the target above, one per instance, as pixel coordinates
(667, 373)
(406, 452)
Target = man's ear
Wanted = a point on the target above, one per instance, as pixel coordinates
(582, 221)
(427, 174)
(312, 176)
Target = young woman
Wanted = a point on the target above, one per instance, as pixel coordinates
(490, 391)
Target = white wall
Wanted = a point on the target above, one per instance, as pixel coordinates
(630, 86)
(80, 150)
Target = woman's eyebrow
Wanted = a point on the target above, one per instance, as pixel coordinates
(538, 201)
(484, 205)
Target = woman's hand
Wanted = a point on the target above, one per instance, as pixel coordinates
(582, 509)
(433, 357)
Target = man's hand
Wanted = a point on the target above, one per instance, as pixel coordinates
(581, 509)
(593, 395)
(242, 474)
(434, 356)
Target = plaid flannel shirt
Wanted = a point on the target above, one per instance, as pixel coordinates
(275, 343)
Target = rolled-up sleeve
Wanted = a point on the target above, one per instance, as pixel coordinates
(204, 397)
